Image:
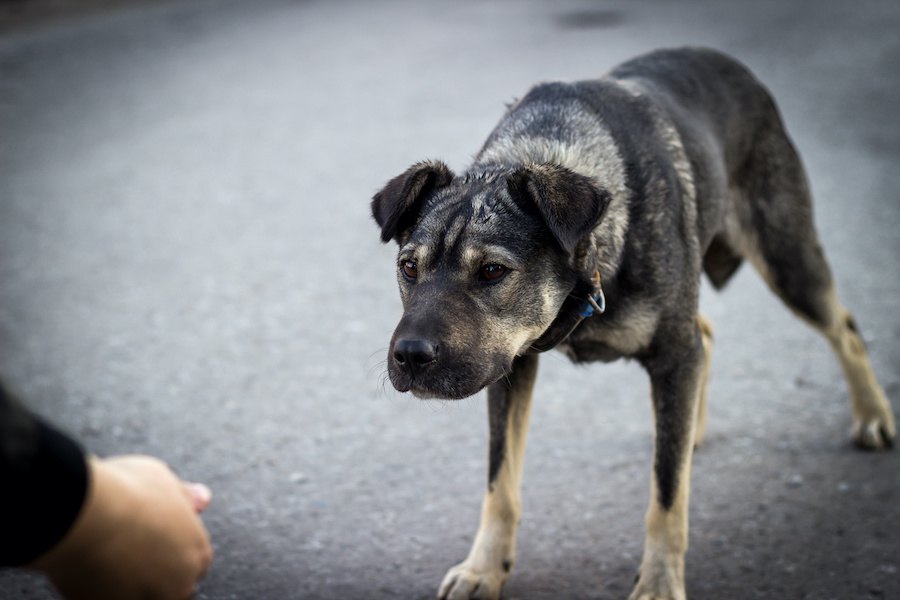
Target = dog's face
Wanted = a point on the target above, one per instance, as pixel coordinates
(484, 265)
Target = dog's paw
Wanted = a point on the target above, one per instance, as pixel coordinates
(660, 581)
(464, 582)
(653, 596)
(643, 593)
(873, 420)
(877, 433)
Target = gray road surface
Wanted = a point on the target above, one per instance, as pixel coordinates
(188, 268)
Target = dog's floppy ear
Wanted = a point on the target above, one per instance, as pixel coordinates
(397, 205)
(570, 204)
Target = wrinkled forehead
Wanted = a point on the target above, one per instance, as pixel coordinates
(472, 222)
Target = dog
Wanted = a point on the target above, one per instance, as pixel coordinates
(584, 224)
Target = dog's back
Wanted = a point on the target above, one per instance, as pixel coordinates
(686, 121)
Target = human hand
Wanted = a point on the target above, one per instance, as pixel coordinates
(138, 536)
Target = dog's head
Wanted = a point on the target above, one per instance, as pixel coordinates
(485, 263)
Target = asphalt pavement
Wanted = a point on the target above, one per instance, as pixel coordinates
(188, 268)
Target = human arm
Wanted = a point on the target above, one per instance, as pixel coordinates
(138, 535)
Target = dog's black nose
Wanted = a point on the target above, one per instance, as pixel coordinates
(414, 355)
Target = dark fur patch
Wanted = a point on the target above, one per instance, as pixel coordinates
(670, 445)
(720, 262)
(666, 468)
(498, 413)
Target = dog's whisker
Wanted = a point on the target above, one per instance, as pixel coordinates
(381, 365)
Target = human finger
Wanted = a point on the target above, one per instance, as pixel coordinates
(199, 494)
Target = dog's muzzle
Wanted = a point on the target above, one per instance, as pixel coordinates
(430, 370)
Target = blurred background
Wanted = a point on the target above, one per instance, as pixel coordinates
(188, 268)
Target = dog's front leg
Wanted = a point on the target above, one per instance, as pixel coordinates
(493, 553)
(675, 380)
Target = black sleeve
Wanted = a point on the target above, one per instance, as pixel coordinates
(43, 483)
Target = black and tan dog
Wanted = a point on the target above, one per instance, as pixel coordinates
(620, 190)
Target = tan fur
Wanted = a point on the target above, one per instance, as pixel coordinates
(666, 541)
(873, 421)
(706, 331)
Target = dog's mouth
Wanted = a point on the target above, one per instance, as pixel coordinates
(444, 382)
(404, 384)
(440, 392)
(425, 394)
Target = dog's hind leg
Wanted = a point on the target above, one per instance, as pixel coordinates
(493, 552)
(786, 251)
(706, 331)
(873, 421)
(676, 374)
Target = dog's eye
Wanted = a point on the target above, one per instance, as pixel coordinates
(410, 269)
(492, 272)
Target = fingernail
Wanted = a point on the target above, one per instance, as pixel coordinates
(201, 494)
